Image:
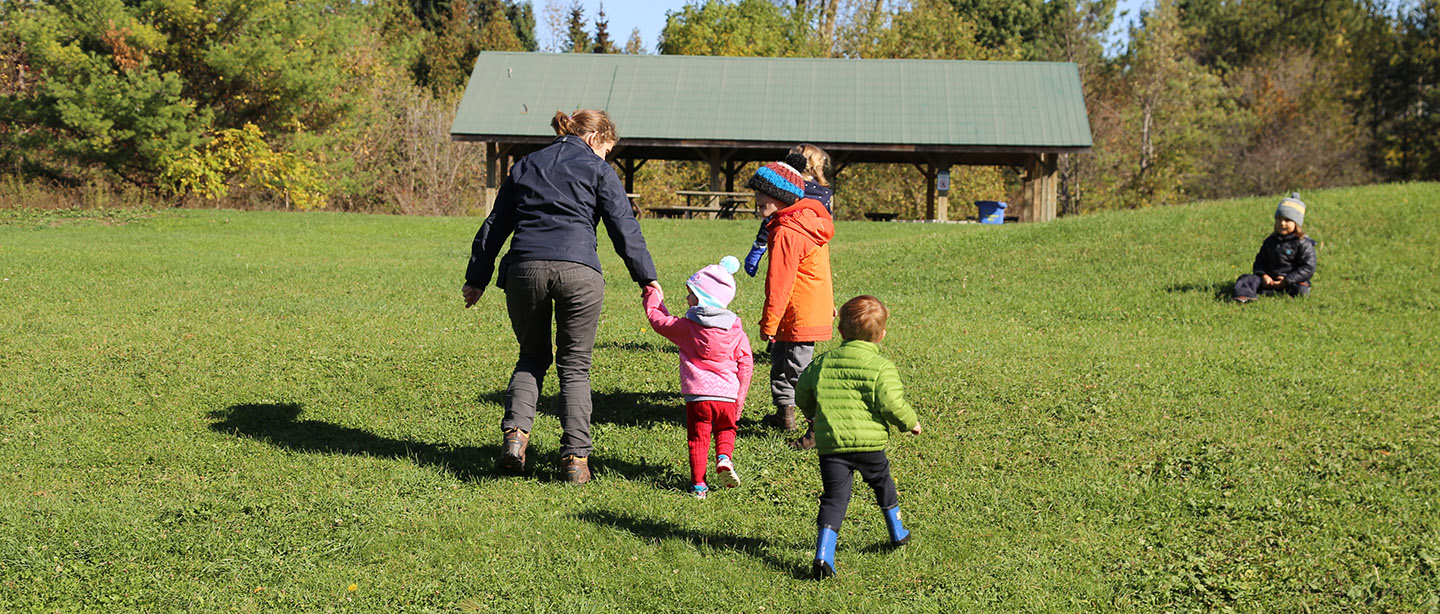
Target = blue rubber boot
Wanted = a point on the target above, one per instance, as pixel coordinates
(824, 565)
(898, 535)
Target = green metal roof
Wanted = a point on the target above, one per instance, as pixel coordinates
(976, 105)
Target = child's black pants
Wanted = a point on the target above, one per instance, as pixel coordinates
(836, 475)
(1252, 286)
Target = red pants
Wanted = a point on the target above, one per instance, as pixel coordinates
(700, 418)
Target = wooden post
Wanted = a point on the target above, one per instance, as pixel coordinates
(1049, 187)
(716, 170)
(496, 168)
(732, 168)
(942, 204)
(928, 170)
(629, 167)
(1028, 204)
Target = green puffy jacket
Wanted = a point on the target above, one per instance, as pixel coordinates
(852, 393)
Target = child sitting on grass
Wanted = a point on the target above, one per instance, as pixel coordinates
(715, 367)
(853, 394)
(1286, 260)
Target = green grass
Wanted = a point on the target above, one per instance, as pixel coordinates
(220, 410)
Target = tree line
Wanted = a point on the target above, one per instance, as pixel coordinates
(309, 103)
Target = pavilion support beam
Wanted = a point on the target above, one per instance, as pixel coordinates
(930, 210)
(1040, 192)
(628, 167)
(942, 202)
(1050, 188)
(497, 167)
(732, 168)
(936, 207)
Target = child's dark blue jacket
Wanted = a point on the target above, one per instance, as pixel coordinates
(552, 202)
(1286, 255)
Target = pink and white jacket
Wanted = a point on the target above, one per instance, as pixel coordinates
(715, 357)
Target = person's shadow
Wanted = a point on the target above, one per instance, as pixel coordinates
(658, 530)
(279, 425)
(1220, 290)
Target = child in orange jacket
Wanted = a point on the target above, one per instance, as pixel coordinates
(799, 300)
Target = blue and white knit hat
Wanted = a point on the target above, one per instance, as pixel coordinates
(780, 180)
(1292, 209)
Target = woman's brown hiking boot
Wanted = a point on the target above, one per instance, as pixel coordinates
(512, 450)
(783, 418)
(576, 469)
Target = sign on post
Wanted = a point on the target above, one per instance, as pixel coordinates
(942, 183)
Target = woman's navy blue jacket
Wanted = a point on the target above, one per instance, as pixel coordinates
(551, 203)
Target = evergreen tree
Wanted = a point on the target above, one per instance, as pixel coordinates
(577, 39)
(521, 16)
(125, 88)
(603, 44)
(1405, 97)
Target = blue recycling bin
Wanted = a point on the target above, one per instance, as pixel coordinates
(991, 211)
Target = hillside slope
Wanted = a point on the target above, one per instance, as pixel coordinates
(206, 410)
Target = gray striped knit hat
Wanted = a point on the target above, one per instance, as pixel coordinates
(1292, 209)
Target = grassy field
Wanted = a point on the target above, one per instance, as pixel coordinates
(230, 411)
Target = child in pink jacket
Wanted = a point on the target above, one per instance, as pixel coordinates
(715, 367)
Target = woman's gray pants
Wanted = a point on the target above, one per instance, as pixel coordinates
(574, 293)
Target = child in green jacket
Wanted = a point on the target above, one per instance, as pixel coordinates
(853, 394)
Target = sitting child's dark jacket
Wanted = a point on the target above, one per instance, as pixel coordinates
(1289, 256)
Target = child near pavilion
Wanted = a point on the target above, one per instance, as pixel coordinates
(715, 367)
(799, 303)
(853, 393)
(811, 161)
(1286, 260)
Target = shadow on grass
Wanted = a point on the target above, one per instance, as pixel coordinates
(638, 346)
(278, 424)
(1219, 290)
(656, 531)
(637, 408)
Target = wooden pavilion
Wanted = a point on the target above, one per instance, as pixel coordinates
(729, 111)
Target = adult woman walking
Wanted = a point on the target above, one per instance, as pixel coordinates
(551, 202)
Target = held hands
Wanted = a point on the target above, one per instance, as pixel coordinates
(656, 285)
(471, 294)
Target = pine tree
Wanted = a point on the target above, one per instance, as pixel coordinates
(577, 37)
(603, 44)
(521, 16)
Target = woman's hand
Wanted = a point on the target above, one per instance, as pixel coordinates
(655, 283)
(471, 294)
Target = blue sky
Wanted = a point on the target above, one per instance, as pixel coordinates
(649, 16)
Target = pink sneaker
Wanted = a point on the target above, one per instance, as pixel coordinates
(725, 472)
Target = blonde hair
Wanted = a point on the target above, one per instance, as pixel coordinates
(816, 161)
(863, 318)
(585, 122)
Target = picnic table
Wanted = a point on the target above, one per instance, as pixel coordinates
(711, 205)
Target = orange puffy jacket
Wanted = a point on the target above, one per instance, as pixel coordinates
(799, 299)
